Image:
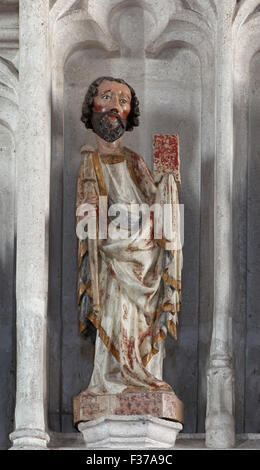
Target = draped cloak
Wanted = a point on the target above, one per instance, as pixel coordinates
(139, 277)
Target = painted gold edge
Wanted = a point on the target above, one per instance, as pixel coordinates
(80, 291)
(168, 308)
(149, 356)
(161, 335)
(111, 159)
(82, 288)
(162, 242)
(82, 327)
(104, 337)
(89, 288)
(170, 280)
(172, 328)
(82, 249)
(99, 174)
(131, 171)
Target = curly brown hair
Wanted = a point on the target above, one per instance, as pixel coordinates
(133, 117)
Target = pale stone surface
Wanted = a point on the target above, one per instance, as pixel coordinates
(9, 29)
(81, 68)
(180, 50)
(29, 439)
(8, 126)
(129, 432)
(184, 441)
(220, 424)
(33, 149)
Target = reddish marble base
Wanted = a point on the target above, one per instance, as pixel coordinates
(88, 407)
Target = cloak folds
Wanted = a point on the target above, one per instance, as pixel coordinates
(139, 276)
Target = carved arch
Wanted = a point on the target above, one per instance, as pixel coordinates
(8, 114)
(78, 22)
(78, 28)
(197, 36)
(153, 7)
(206, 8)
(9, 76)
(59, 8)
(8, 95)
(244, 9)
(81, 27)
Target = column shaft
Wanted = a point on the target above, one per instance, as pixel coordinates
(33, 162)
(220, 419)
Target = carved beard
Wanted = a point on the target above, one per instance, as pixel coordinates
(107, 129)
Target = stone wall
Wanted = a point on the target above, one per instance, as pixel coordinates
(8, 121)
(173, 53)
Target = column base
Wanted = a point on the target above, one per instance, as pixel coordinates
(29, 439)
(220, 423)
(220, 431)
(129, 432)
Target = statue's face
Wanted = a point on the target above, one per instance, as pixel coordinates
(111, 108)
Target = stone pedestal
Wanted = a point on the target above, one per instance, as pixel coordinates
(88, 406)
(129, 432)
(128, 420)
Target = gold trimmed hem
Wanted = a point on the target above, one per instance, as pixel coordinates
(104, 337)
(170, 280)
(110, 346)
(131, 171)
(89, 288)
(162, 242)
(82, 288)
(82, 249)
(110, 159)
(149, 356)
(160, 336)
(80, 291)
(172, 328)
(82, 327)
(99, 174)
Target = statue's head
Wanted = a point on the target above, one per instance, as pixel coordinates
(110, 108)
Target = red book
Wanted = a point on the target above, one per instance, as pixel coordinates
(166, 155)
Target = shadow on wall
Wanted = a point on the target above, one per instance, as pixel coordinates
(7, 348)
(7, 290)
(246, 250)
(170, 102)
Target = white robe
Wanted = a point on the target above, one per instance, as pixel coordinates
(137, 304)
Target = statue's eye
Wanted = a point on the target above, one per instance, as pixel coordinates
(105, 97)
(123, 101)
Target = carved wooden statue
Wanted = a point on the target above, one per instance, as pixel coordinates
(129, 286)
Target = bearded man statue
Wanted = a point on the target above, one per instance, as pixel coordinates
(129, 287)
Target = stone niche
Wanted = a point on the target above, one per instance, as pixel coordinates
(168, 52)
(172, 77)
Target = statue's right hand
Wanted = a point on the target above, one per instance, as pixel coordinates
(92, 199)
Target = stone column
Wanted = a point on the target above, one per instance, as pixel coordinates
(220, 429)
(33, 161)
